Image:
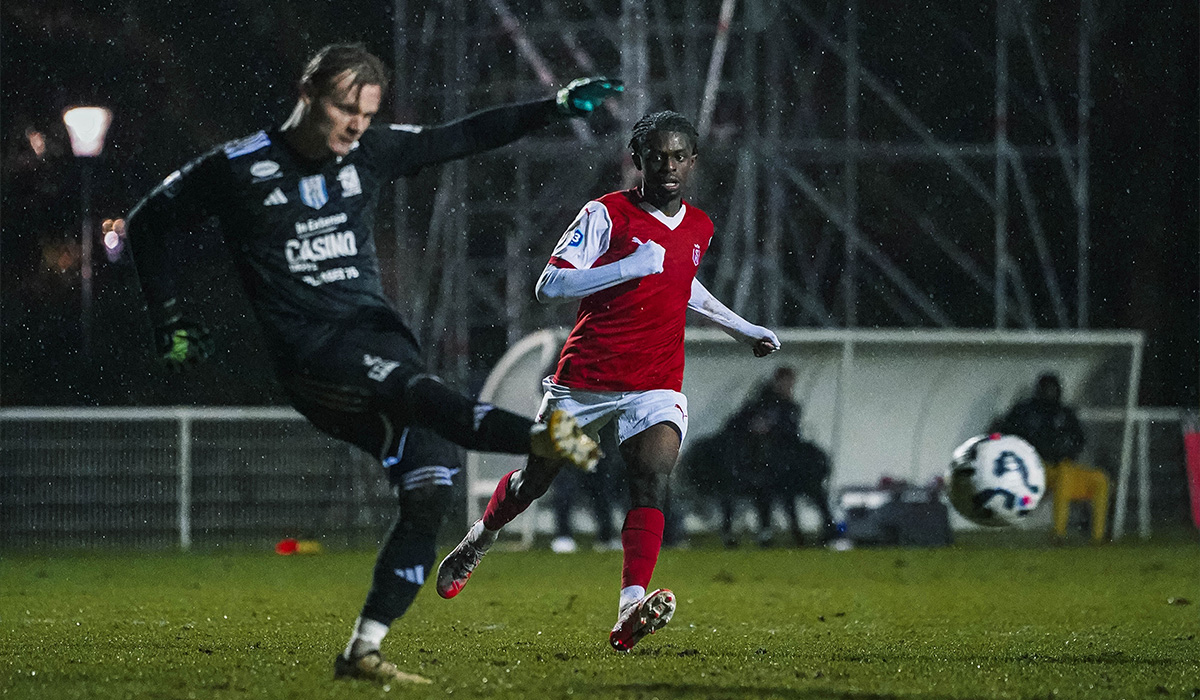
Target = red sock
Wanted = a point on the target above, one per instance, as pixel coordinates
(504, 506)
(641, 539)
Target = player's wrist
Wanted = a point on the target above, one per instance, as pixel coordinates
(583, 96)
(165, 313)
(562, 104)
(624, 269)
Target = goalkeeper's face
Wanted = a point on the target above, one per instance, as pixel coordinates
(666, 161)
(340, 117)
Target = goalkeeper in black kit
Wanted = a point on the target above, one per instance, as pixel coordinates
(296, 206)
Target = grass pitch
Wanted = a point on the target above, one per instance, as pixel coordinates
(972, 621)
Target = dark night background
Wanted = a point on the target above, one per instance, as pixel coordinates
(182, 77)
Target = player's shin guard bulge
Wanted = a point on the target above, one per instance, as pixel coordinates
(560, 438)
(373, 667)
(642, 618)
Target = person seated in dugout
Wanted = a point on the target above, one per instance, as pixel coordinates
(760, 455)
(1054, 430)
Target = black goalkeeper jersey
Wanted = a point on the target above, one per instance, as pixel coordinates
(301, 232)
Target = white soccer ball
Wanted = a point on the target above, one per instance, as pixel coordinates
(996, 480)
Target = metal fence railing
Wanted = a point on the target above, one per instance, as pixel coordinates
(166, 476)
(162, 477)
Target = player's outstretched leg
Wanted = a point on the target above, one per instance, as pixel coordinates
(483, 427)
(642, 617)
(557, 441)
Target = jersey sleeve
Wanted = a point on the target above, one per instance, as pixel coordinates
(407, 148)
(588, 237)
(184, 199)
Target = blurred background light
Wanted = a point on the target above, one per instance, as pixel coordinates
(37, 141)
(87, 127)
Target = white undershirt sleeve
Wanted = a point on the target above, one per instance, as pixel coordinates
(558, 284)
(704, 303)
(580, 247)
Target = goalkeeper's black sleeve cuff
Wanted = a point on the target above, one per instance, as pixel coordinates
(164, 313)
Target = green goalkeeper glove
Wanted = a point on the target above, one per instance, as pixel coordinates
(180, 342)
(583, 96)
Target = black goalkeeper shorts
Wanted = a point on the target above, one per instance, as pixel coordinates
(352, 386)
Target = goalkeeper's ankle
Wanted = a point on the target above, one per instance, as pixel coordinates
(367, 636)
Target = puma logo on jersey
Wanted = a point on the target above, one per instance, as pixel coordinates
(276, 198)
(412, 574)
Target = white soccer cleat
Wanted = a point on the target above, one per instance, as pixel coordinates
(560, 438)
(456, 568)
(644, 617)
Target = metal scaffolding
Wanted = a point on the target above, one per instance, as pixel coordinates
(845, 154)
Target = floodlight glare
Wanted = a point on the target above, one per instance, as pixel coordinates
(87, 127)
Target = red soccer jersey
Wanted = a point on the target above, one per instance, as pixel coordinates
(630, 337)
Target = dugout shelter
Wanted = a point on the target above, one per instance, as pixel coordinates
(881, 402)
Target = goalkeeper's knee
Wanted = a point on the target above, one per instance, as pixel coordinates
(423, 508)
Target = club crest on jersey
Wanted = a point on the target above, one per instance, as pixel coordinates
(696, 254)
(348, 177)
(313, 192)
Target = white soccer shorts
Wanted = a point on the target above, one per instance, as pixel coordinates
(634, 411)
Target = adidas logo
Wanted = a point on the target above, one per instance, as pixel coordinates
(276, 197)
(412, 574)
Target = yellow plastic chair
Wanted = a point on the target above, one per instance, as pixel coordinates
(1070, 481)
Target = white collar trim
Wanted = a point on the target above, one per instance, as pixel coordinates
(671, 222)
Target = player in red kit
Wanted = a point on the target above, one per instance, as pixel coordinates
(630, 258)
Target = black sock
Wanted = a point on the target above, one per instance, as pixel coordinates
(407, 557)
(463, 421)
(404, 563)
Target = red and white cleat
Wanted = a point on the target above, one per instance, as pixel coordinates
(456, 568)
(644, 617)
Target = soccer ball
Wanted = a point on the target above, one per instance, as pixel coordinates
(996, 480)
